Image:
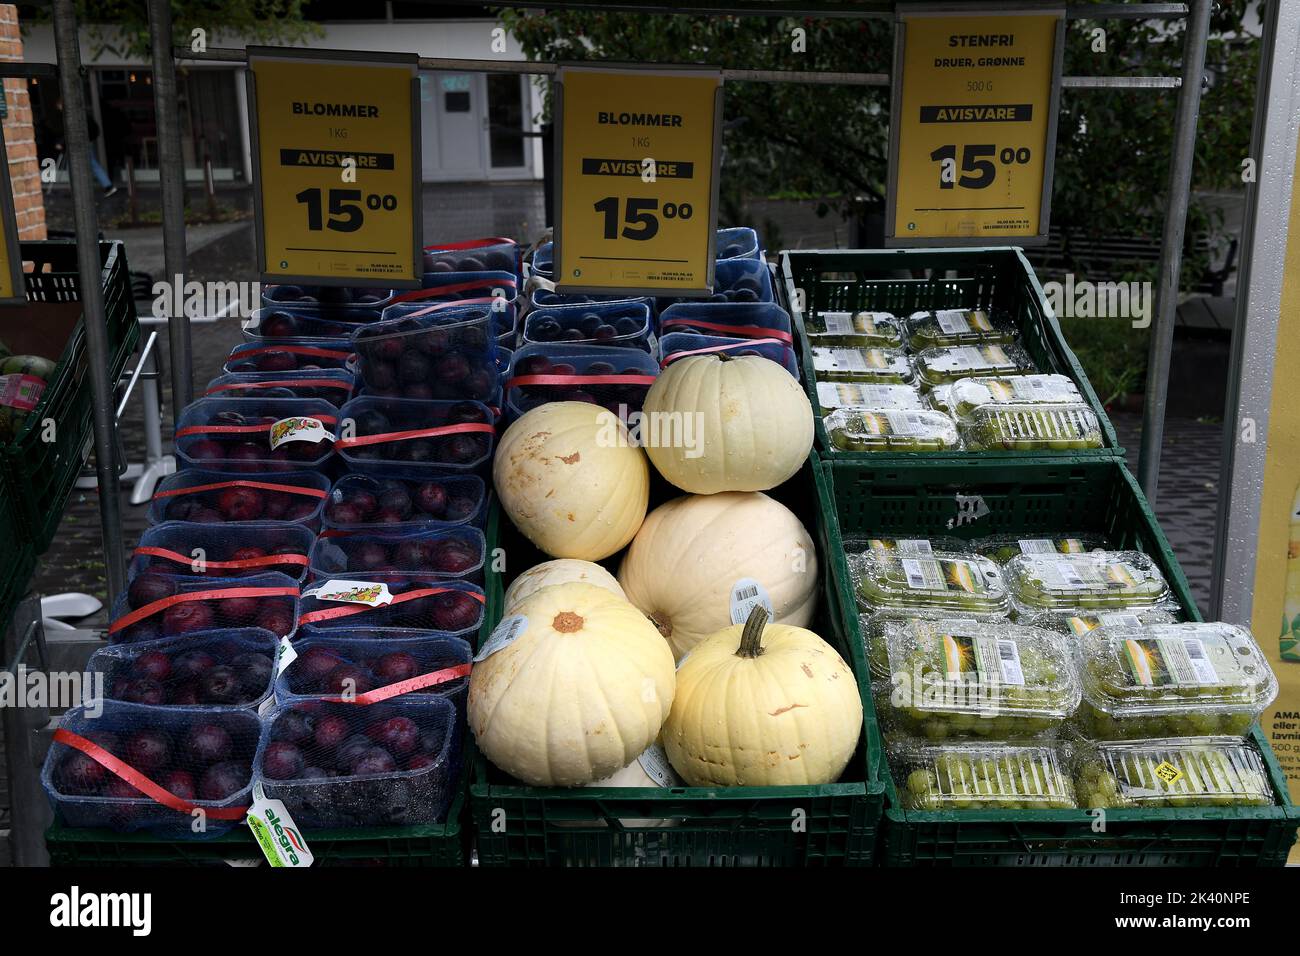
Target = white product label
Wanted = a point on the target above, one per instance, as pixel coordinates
(1037, 546)
(1169, 661)
(747, 594)
(1008, 660)
(968, 356)
(506, 633)
(369, 593)
(1043, 388)
(953, 321)
(905, 424)
(655, 763)
(923, 575)
(853, 360)
(841, 323)
(276, 833)
(1119, 619)
(913, 546)
(299, 429)
(285, 656)
(831, 395)
(1069, 575)
(266, 706)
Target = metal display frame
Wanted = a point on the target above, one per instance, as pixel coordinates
(355, 58)
(714, 183)
(892, 239)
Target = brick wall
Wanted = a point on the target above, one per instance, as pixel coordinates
(20, 142)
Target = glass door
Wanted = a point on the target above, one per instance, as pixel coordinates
(509, 150)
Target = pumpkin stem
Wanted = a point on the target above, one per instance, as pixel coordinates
(724, 357)
(751, 638)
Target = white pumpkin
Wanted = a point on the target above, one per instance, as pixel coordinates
(560, 571)
(578, 695)
(571, 481)
(690, 551)
(760, 706)
(751, 424)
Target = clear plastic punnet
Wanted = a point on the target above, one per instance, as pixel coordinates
(256, 435)
(392, 763)
(217, 497)
(737, 242)
(753, 320)
(947, 364)
(1173, 772)
(411, 438)
(843, 364)
(160, 605)
(960, 677)
(965, 395)
(427, 351)
(359, 503)
(858, 544)
(328, 299)
(945, 327)
(423, 555)
(494, 254)
(306, 322)
(562, 373)
(1079, 623)
(891, 429)
(333, 385)
(679, 345)
(833, 395)
(1003, 547)
(220, 668)
(286, 355)
(982, 776)
(1031, 428)
(133, 768)
(953, 582)
(1172, 680)
(410, 611)
(625, 324)
(371, 669)
(196, 549)
(1097, 580)
(855, 329)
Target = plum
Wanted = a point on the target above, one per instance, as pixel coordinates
(187, 617)
(79, 774)
(563, 368)
(331, 731)
(546, 330)
(140, 690)
(571, 335)
(254, 672)
(276, 618)
(600, 368)
(294, 726)
(118, 789)
(282, 761)
(240, 504)
(205, 449)
(419, 390)
(220, 685)
(452, 368)
(412, 555)
(348, 678)
(534, 365)
(413, 367)
(367, 556)
(350, 750)
(238, 611)
(300, 510)
(380, 375)
(148, 751)
(285, 293)
(375, 760)
(481, 383)
(314, 663)
(396, 666)
(390, 517)
(460, 508)
(185, 694)
(275, 362)
(279, 325)
(372, 422)
(246, 454)
(248, 553)
(431, 497)
(627, 326)
(462, 449)
(454, 556)
(466, 412)
(344, 512)
(207, 744)
(224, 780)
(179, 783)
(398, 735)
(394, 497)
(470, 264)
(454, 611)
(149, 587)
(190, 664)
(422, 762)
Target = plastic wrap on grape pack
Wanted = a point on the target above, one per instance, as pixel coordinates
(1174, 772)
(1172, 680)
(967, 394)
(1003, 547)
(1079, 622)
(844, 364)
(982, 776)
(1031, 428)
(855, 329)
(945, 327)
(889, 429)
(961, 583)
(946, 364)
(1096, 580)
(833, 395)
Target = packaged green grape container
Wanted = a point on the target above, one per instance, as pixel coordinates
(1174, 772)
(982, 776)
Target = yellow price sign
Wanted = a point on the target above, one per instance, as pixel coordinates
(637, 180)
(974, 127)
(336, 154)
(12, 289)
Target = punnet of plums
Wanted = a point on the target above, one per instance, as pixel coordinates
(625, 324)
(617, 379)
(428, 352)
(342, 765)
(287, 355)
(216, 551)
(203, 757)
(501, 255)
(398, 558)
(294, 321)
(359, 502)
(333, 385)
(201, 496)
(354, 662)
(397, 437)
(232, 434)
(218, 668)
(447, 607)
(268, 601)
(325, 298)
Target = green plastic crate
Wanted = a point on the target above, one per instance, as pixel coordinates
(517, 825)
(17, 557)
(42, 473)
(884, 280)
(967, 501)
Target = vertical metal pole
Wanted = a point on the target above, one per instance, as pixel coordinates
(29, 809)
(171, 176)
(90, 267)
(1171, 249)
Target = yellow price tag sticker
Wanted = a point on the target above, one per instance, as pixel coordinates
(1168, 773)
(337, 162)
(638, 180)
(974, 127)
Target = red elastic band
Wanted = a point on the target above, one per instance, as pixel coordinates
(267, 559)
(416, 294)
(415, 433)
(285, 383)
(347, 610)
(263, 485)
(746, 331)
(221, 594)
(578, 380)
(455, 304)
(293, 349)
(138, 780)
(471, 244)
(405, 686)
(718, 348)
(244, 429)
